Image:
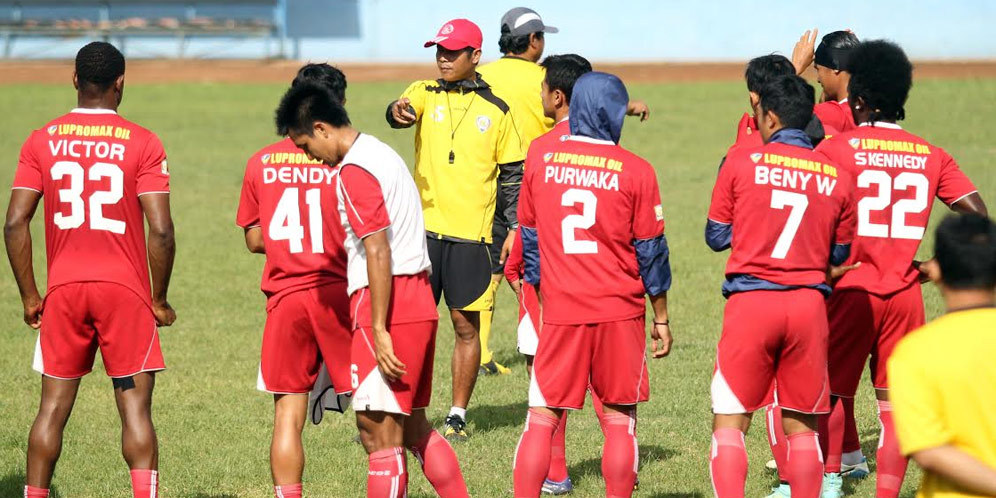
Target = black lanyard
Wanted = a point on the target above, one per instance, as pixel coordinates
(453, 129)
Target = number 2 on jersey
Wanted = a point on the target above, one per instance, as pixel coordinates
(582, 221)
(781, 199)
(286, 221)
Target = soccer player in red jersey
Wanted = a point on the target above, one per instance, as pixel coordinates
(830, 59)
(897, 174)
(288, 213)
(591, 220)
(786, 214)
(391, 302)
(102, 177)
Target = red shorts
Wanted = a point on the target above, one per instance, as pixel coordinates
(415, 346)
(772, 338)
(529, 320)
(611, 356)
(79, 317)
(863, 324)
(304, 328)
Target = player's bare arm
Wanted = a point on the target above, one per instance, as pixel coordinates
(17, 237)
(804, 51)
(660, 331)
(400, 113)
(972, 203)
(960, 467)
(638, 108)
(254, 240)
(162, 250)
(379, 274)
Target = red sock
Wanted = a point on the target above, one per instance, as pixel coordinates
(805, 465)
(891, 462)
(33, 492)
(532, 457)
(386, 474)
(145, 483)
(287, 491)
(851, 440)
(776, 439)
(832, 435)
(620, 453)
(558, 452)
(728, 463)
(440, 466)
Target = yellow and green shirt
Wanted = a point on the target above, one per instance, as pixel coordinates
(467, 152)
(520, 81)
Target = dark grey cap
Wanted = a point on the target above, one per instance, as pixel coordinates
(522, 21)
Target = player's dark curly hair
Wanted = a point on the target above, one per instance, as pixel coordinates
(305, 104)
(881, 76)
(325, 75)
(966, 252)
(563, 70)
(791, 98)
(98, 65)
(761, 70)
(514, 45)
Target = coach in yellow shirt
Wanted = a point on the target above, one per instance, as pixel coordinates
(468, 156)
(943, 376)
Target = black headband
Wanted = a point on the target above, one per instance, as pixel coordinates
(833, 58)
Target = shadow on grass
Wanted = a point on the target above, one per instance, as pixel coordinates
(490, 417)
(13, 485)
(592, 467)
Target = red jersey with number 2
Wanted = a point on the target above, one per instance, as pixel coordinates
(897, 174)
(588, 201)
(91, 166)
(293, 200)
(788, 205)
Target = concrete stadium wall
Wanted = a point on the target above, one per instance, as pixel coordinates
(625, 30)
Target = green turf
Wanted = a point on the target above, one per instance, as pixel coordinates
(214, 426)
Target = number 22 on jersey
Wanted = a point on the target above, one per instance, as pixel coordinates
(286, 221)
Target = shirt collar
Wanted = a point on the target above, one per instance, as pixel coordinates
(882, 124)
(792, 136)
(83, 110)
(477, 83)
(580, 138)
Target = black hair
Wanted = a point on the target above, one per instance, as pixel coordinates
(563, 70)
(791, 98)
(324, 75)
(305, 104)
(965, 249)
(761, 70)
(835, 49)
(881, 76)
(510, 44)
(99, 64)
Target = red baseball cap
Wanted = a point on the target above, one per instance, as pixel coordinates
(457, 34)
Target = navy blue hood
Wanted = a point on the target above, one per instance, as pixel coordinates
(598, 106)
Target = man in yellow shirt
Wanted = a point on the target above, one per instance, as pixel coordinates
(943, 375)
(468, 159)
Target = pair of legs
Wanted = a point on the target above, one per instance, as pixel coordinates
(133, 396)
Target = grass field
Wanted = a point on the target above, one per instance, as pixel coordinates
(214, 426)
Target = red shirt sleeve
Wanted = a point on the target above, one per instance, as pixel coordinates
(29, 172)
(364, 201)
(847, 225)
(153, 172)
(648, 214)
(953, 184)
(831, 116)
(248, 215)
(721, 206)
(513, 265)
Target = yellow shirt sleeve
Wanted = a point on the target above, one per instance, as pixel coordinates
(509, 147)
(916, 401)
(416, 93)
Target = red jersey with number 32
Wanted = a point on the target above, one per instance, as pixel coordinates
(897, 174)
(788, 205)
(588, 201)
(293, 200)
(91, 166)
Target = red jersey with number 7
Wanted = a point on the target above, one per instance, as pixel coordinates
(788, 205)
(293, 200)
(589, 200)
(91, 166)
(897, 174)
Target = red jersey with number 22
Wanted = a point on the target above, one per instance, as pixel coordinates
(588, 201)
(788, 205)
(898, 174)
(91, 166)
(293, 200)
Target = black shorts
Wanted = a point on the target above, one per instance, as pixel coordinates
(499, 231)
(462, 272)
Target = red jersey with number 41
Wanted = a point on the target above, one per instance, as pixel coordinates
(788, 205)
(91, 166)
(293, 200)
(589, 200)
(898, 174)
